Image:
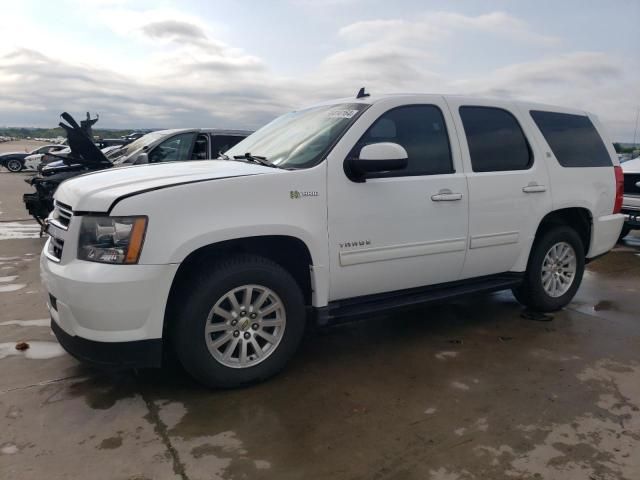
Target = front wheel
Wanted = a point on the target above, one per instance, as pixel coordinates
(240, 322)
(14, 165)
(555, 270)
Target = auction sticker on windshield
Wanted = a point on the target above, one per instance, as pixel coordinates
(341, 113)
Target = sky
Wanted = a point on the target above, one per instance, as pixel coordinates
(241, 63)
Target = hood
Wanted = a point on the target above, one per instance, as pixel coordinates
(631, 166)
(96, 192)
(83, 150)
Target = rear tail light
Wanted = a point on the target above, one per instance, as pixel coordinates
(617, 206)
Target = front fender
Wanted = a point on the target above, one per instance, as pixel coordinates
(205, 239)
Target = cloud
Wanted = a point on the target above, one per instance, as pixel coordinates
(441, 26)
(174, 30)
(189, 77)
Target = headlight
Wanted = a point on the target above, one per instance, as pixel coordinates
(111, 239)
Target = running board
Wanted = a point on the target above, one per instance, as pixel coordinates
(342, 310)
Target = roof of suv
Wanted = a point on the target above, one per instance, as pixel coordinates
(467, 99)
(212, 131)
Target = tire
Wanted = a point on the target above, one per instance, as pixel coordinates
(232, 277)
(532, 292)
(626, 230)
(14, 165)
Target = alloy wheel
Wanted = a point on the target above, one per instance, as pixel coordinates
(558, 269)
(14, 165)
(245, 326)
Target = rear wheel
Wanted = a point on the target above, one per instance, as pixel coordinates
(239, 323)
(554, 272)
(14, 165)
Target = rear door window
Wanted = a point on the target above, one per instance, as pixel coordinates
(574, 140)
(496, 140)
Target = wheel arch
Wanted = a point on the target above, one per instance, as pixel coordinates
(289, 252)
(578, 218)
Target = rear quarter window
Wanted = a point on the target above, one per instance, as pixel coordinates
(574, 140)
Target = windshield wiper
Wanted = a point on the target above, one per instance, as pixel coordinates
(223, 156)
(256, 159)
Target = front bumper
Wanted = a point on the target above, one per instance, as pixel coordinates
(137, 354)
(105, 313)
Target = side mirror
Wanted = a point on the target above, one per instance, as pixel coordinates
(378, 157)
(142, 159)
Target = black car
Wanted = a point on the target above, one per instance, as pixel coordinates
(14, 161)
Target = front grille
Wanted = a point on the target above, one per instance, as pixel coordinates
(61, 215)
(630, 180)
(54, 248)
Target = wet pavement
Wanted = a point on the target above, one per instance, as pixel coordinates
(469, 389)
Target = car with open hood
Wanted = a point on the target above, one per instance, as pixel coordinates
(84, 156)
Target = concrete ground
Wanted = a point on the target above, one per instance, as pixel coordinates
(465, 390)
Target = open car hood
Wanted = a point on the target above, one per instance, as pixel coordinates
(83, 150)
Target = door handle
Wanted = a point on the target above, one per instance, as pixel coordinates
(446, 195)
(534, 188)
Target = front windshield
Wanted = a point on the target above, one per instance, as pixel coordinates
(142, 142)
(300, 139)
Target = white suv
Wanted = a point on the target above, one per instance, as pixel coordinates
(346, 208)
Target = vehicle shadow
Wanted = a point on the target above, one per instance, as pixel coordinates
(384, 339)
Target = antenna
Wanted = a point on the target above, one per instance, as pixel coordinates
(362, 93)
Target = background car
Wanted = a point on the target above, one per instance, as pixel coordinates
(83, 155)
(14, 161)
(180, 144)
(631, 201)
(31, 162)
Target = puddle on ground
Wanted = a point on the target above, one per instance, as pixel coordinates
(9, 449)
(446, 354)
(44, 322)
(16, 230)
(101, 392)
(37, 350)
(460, 386)
(12, 287)
(601, 445)
(222, 454)
(110, 443)
(605, 305)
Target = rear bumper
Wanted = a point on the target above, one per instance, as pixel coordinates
(137, 354)
(605, 233)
